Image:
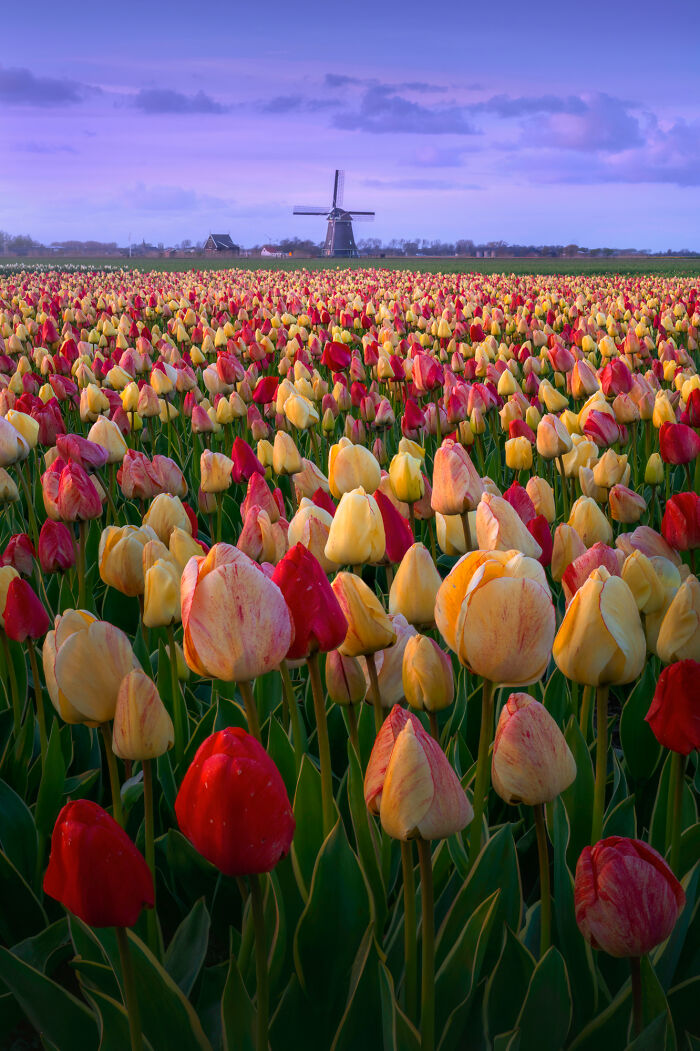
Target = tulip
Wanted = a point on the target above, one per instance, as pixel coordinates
(165, 514)
(369, 627)
(9, 493)
(77, 499)
(182, 547)
(94, 869)
(309, 480)
(120, 557)
(679, 634)
(589, 522)
(245, 462)
(611, 470)
(388, 664)
(500, 528)
(532, 764)
(142, 728)
(627, 901)
(310, 527)
(106, 433)
(357, 532)
(415, 587)
(639, 574)
(553, 439)
(286, 458)
(654, 470)
(456, 485)
(406, 478)
(258, 493)
(7, 575)
(233, 807)
(678, 443)
(351, 467)
(681, 521)
(161, 601)
(345, 679)
(428, 681)
(23, 615)
(236, 623)
(397, 531)
(577, 572)
(19, 553)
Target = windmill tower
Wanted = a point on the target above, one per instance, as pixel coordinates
(340, 240)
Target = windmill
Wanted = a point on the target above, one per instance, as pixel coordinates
(340, 241)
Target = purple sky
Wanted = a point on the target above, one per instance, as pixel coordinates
(539, 122)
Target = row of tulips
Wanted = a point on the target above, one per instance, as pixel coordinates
(246, 520)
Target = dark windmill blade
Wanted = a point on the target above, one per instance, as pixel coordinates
(338, 188)
(308, 209)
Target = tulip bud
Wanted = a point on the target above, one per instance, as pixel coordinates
(357, 532)
(415, 586)
(286, 458)
(369, 627)
(142, 728)
(531, 761)
(679, 634)
(428, 681)
(654, 470)
(161, 602)
(406, 478)
(345, 679)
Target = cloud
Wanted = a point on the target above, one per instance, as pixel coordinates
(421, 87)
(20, 87)
(383, 111)
(164, 100)
(157, 198)
(506, 106)
(297, 104)
(603, 124)
(418, 184)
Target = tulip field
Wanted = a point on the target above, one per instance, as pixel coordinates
(349, 660)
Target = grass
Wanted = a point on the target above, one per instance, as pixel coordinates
(669, 266)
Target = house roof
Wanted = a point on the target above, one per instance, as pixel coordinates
(222, 241)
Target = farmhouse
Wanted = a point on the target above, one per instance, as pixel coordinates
(221, 243)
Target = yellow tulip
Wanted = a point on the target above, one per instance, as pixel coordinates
(679, 634)
(356, 534)
(428, 681)
(161, 603)
(120, 557)
(406, 478)
(369, 627)
(142, 727)
(415, 586)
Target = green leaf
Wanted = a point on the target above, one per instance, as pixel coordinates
(42, 950)
(683, 1003)
(18, 836)
(188, 948)
(652, 1036)
(666, 956)
(325, 932)
(308, 815)
(367, 844)
(280, 750)
(621, 820)
(507, 986)
(22, 913)
(548, 997)
(653, 998)
(361, 1024)
(399, 1032)
(52, 781)
(113, 1022)
(238, 1015)
(689, 813)
(578, 797)
(54, 1012)
(556, 699)
(497, 865)
(460, 973)
(639, 746)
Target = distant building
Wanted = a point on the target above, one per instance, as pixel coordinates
(221, 243)
(271, 250)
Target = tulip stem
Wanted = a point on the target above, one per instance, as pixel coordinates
(177, 700)
(131, 1002)
(14, 690)
(219, 503)
(427, 1012)
(564, 487)
(637, 1015)
(434, 729)
(467, 531)
(39, 701)
(324, 748)
(293, 713)
(409, 930)
(412, 519)
(251, 710)
(585, 715)
(352, 723)
(482, 770)
(150, 853)
(601, 762)
(675, 807)
(81, 564)
(261, 973)
(376, 695)
(33, 528)
(113, 774)
(431, 534)
(545, 889)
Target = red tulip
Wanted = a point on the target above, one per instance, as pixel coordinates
(336, 356)
(427, 373)
(19, 553)
(396, 529)
(615, 378)
(324, 500)
(577, 573)
(627, 899)
(539, 528)
(319, 622)
(691, 416)
(136, 478)
(678, 443)
(519, 429)
(56, 547)
(674, 713)
(88, 454)
(245, 462)
(601, 428)
(24, 616)
(258, 494)
(233, 806)
(94, 870)
(681, 522)
(519, 500)
(78, 499)
(266, 390)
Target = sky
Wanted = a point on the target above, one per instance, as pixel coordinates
(575, 121)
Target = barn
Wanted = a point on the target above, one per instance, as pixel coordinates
(221, 243)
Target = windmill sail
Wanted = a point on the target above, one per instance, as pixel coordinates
(340, 240)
